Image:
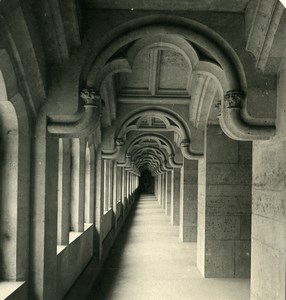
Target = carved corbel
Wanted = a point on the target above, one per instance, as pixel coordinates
(113, 154)
(218, 108)
(81, 124)
(233, 99)
(166, 167)
(127, 163)
(173, 163)
(235, 126)
(185, 148)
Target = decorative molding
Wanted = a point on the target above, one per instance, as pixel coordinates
(90, 97)
(185, 143)
(80, 124)
(233, 99)
(218, 107)
(119, 142)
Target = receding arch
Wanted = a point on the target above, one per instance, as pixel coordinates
(192, 31)
(231, 119)
(147, 149)
(177, 124)
(162, 142)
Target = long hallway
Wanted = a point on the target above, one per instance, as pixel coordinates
(148, 261)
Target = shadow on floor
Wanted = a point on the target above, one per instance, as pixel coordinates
(148, 262)
(104, 285)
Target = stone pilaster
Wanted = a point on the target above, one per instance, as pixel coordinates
(64, 189)
(268, 240)
(159, 188)
(78, 184)
(224, 207)
(163, 200)
(189, 201)
(175, 201)
(168, 193)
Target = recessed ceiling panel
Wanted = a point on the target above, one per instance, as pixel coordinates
(138, 80)
(156, 72)
(174, 72)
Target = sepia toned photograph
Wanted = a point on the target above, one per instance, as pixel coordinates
(143, 149)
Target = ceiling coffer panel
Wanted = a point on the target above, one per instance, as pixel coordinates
(174, 73)
(156, 72)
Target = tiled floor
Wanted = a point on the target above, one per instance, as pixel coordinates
(149, 261)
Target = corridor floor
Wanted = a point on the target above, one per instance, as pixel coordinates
(148, 261)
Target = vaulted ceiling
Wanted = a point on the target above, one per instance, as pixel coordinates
(161, 70)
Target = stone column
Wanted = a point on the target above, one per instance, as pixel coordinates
(127, 189)
(43, 263)
(165, 191)
(114, 193)
(175, 201)
(156, 187)
(131, 187)
(78, 184)
(118, 194)
(159, 188)
(106, 189)
(123, 189)
(64, 189)
(189, 201)
(114, 186)
(224, 207)
(168, 193)
(89, 205)
(111, 176)
(163, 197)
(119, 185)
(268, 243)
(99, 207)
(87, 192)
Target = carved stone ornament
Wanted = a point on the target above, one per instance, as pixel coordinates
(185, 143)
(233, 99)
(90, 97)
(119, 142)
(218, 107)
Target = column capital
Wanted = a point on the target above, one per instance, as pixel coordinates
(119, 141)
(234, 98)
(218, 107)
(90, 97)
(185, 143)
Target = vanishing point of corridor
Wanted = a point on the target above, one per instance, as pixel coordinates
(148, 261)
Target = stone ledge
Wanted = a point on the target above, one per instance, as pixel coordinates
(9, 288)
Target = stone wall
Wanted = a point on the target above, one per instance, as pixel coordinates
(175, 205)
(268, 244)
(224, 207)
(189, 201)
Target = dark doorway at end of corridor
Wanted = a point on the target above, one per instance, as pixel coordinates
(147, 183)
